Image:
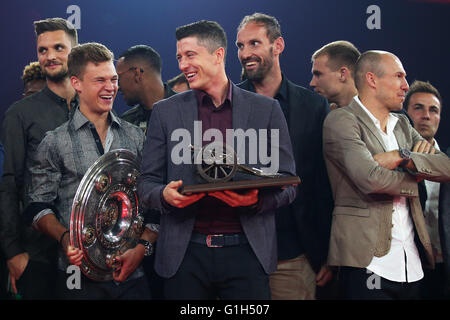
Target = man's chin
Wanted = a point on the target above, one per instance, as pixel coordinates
(58, 77)
(254, 76)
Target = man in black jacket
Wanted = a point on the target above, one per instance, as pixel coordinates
(303, 227)
(139, 70)
(30, 254)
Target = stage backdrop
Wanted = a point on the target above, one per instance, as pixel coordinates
(416, 31)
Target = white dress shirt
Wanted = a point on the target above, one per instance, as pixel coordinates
(402, 262)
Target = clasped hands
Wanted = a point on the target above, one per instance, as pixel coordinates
(391, 160)
(233, 199)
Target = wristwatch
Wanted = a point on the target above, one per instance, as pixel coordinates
(148, 247)
(405, 154)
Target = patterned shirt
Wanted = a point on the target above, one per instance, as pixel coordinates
(65, 155)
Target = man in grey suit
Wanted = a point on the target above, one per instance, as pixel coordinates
(375, 160)
(221, 244)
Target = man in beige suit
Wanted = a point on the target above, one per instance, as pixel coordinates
(375, 160)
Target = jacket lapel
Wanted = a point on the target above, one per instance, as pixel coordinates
(367, 122)
(399, 133)
(189, 114)
(241, 108)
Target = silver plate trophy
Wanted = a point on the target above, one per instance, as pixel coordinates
(105, 219)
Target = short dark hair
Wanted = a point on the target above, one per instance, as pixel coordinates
(421, 86)
(209, 34)
(340, 53)
(271, 24)
(82, 54)
(55, 24)
(143, 53)
(369, 61)
(31, 72)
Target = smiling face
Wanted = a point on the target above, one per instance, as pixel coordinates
(199, 66)
(97, 87)
(255, 51)
(425, 110)
(53, 48)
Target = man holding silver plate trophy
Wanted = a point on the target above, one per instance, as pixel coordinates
(83, 190)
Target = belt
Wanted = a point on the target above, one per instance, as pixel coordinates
(219, 240)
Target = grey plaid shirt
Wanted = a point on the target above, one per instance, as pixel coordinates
(64, 156)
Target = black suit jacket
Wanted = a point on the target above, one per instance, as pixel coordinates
(304, 225)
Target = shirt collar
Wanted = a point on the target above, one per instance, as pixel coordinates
(58, 99)
(200, 94)
(79, 119)
(282, 90)
(435, 144)
(392, 120)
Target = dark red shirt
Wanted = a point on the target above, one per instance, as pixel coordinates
(215, 216)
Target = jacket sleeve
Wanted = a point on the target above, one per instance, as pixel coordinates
(12, 184)
(153, 176)
(45, 179)
(434, 167)
(343, 145)
(322, 198)
(274, 199)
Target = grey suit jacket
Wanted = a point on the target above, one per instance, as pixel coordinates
(180, 111)
(363, 191)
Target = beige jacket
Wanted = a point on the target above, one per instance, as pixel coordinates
(363, 191)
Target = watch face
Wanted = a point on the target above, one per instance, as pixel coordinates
(148, 247)
(405, 153)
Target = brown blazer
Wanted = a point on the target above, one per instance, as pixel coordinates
(363, 191)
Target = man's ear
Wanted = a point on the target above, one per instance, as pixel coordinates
(278, 46)
(371, 80)
(220, 55)
(76, 83)
(138, 75)
(344, 74)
